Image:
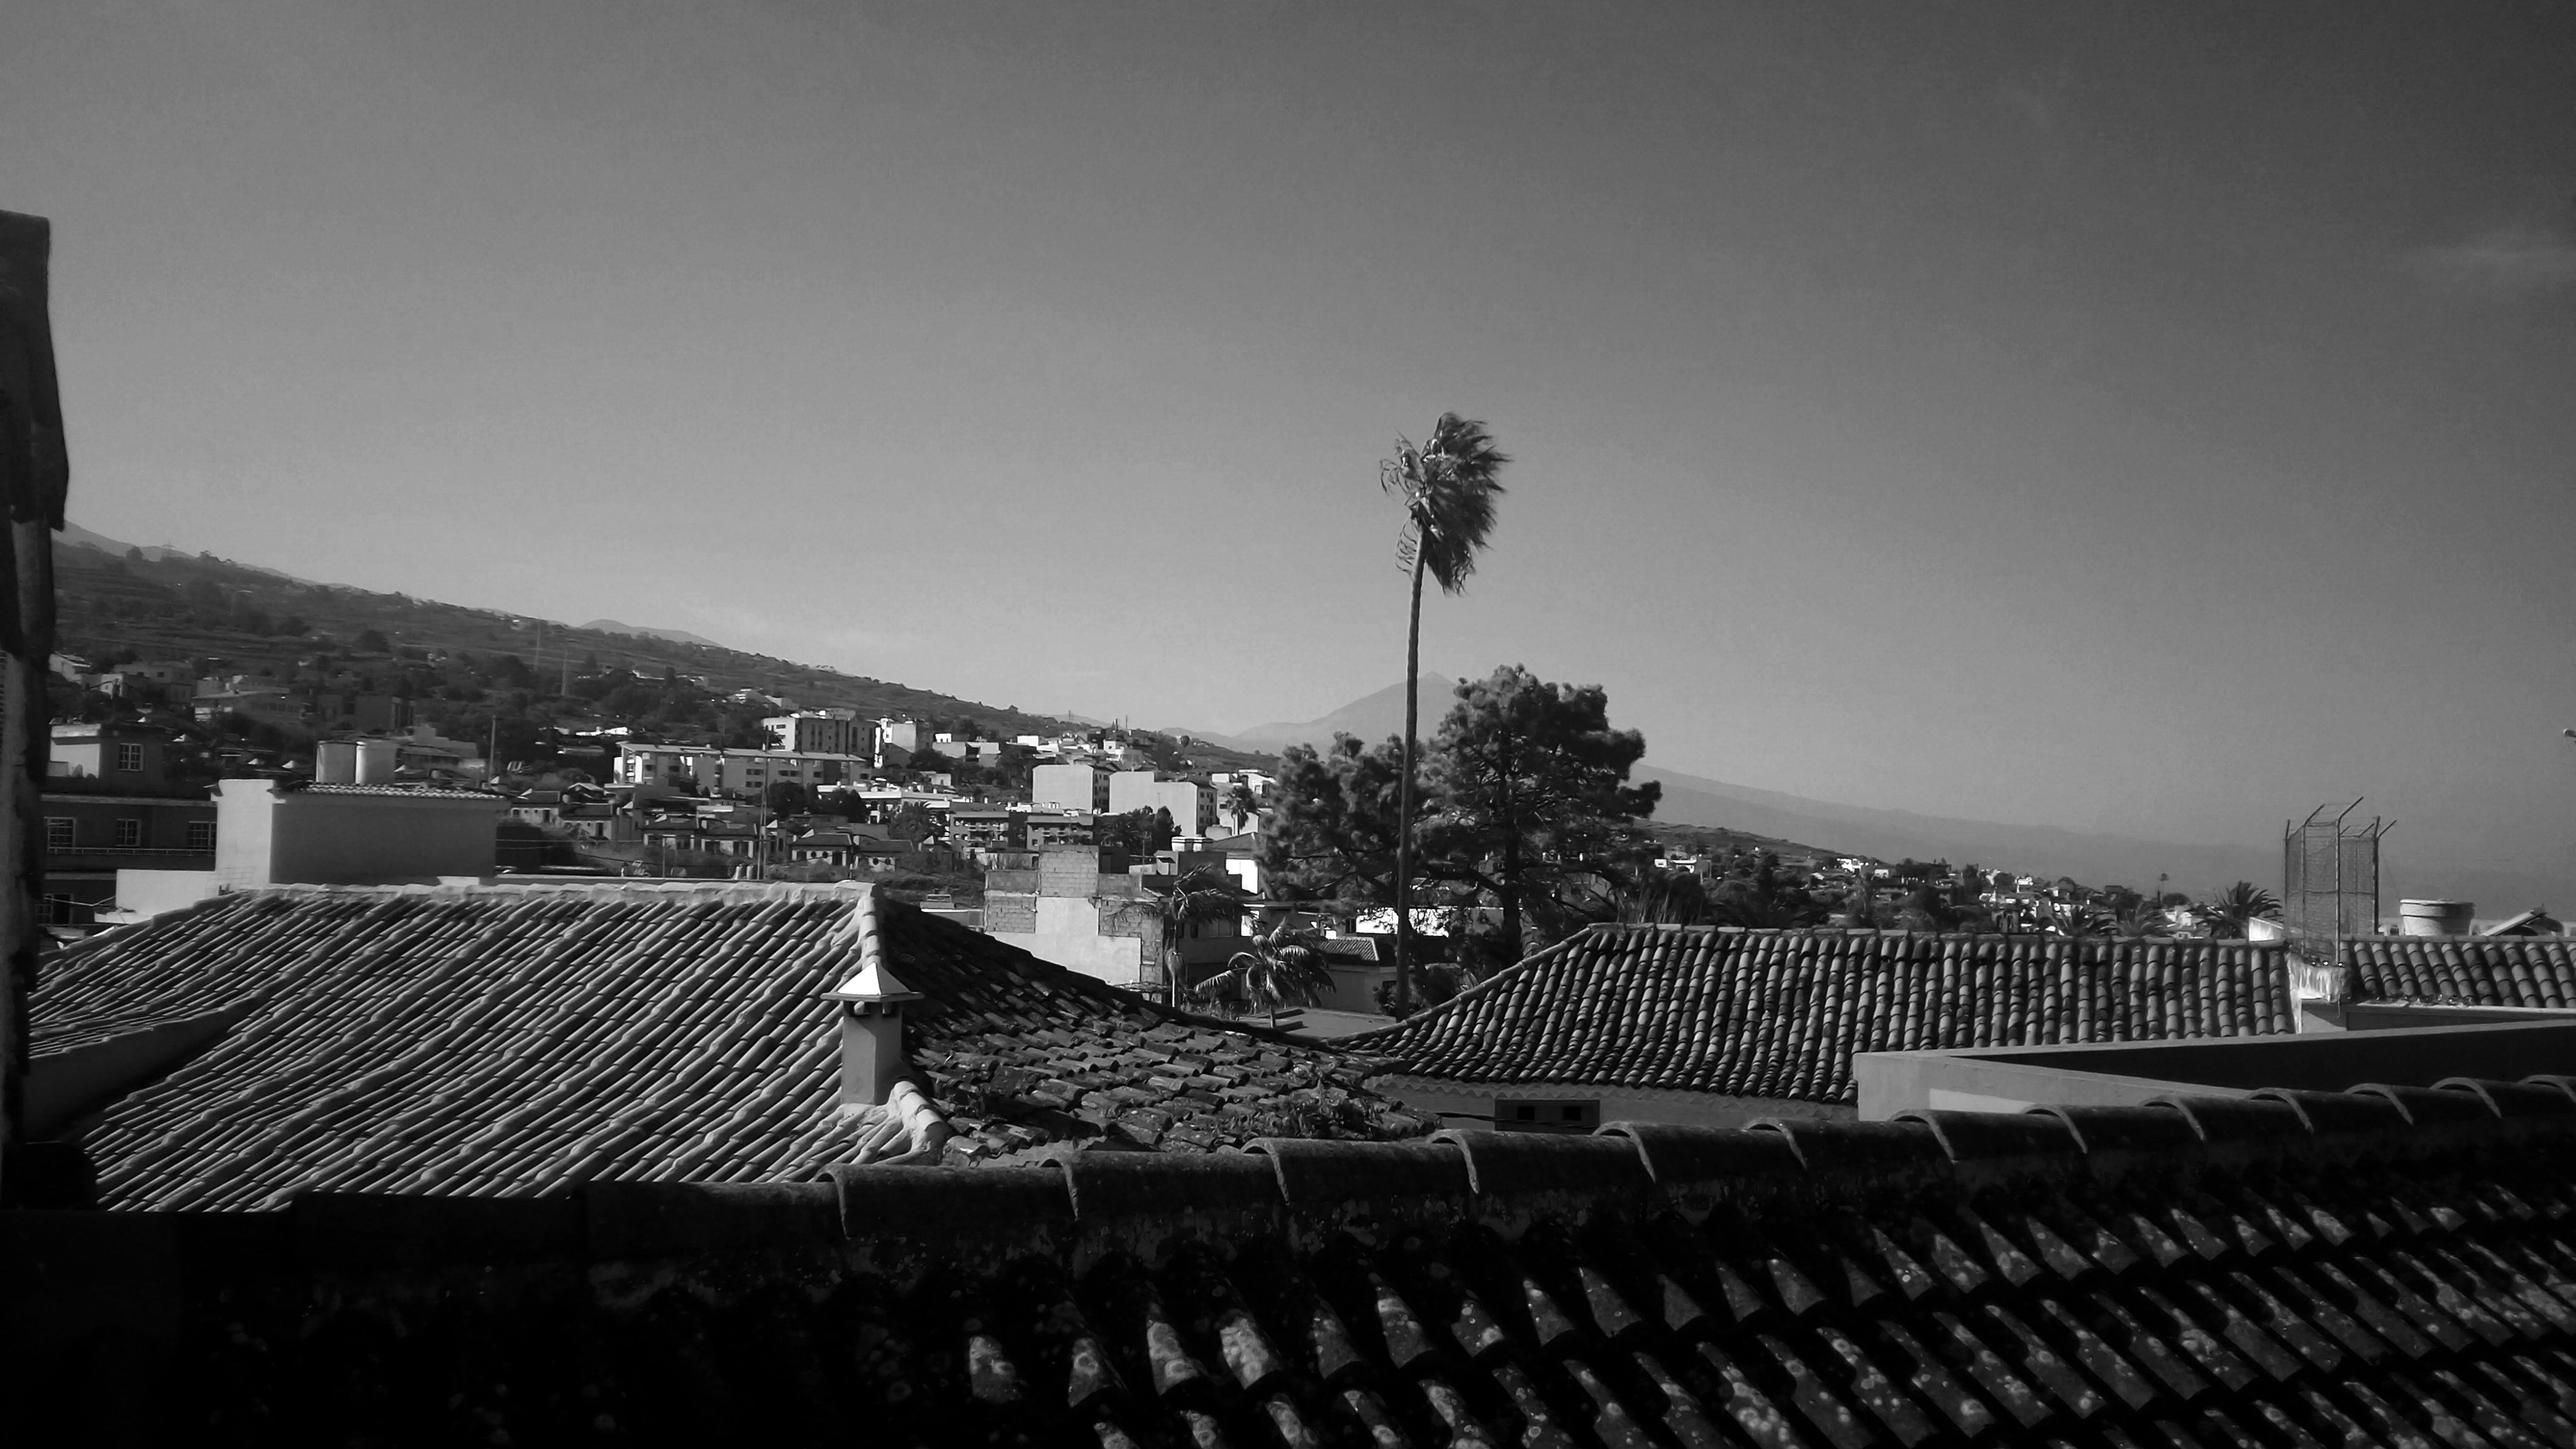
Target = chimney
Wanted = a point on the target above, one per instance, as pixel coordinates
(872, 1057)
(335, 762)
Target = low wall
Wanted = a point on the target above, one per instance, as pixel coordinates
(1114, 959)
(2005, 1079)
(1471, 1104)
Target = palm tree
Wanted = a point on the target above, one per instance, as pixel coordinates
(1284, 965)
(2078, 920)
(2142, 920)
(2231, 909)
(1205, 893)
(1448, 489)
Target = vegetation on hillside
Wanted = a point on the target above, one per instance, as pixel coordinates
(479, 674)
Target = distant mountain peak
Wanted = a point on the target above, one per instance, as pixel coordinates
(1373, 718)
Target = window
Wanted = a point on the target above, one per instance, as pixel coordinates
(60, 832)
(129, 834)
(1546, 1116)
(129, 757)
(201, 835)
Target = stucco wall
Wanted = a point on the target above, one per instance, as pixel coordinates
(1113, 959)
(267, 837)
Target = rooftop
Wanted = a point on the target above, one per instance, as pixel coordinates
(2523, 971)
(2302, 1269)
(1779, 1014)
(518, 1040)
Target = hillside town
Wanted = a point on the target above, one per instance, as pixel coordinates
(431, 1023)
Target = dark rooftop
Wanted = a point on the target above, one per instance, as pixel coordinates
(2299, 1270)
(1779, 1014)
(2524, 971)
(520, 1040)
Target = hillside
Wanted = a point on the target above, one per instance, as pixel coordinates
(461, 666)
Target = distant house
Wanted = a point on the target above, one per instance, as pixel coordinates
(1723, 1027)
(1060, 906)
(111, 804)
(1054, 829)
(979, 827)
(846, 848)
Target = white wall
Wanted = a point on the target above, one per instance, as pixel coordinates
(1062, 787)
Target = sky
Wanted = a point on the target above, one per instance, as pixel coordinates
(2148, 418)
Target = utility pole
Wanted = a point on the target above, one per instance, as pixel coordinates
(35, 472)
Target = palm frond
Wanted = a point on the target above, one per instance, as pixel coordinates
(1449, 486)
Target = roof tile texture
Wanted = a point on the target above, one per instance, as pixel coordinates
(2525, 971)
(1979, 1280)
(514, 1041)
(1780, 1013)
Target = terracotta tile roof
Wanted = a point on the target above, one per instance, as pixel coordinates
(520, 1040)
(1022, 1052)
(2299, 1269)
(1779, 1013)
(405, 792)
(2529, 971)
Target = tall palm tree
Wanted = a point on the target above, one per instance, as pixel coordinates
(1448, 487)
(1205, 893)
(1283, 966)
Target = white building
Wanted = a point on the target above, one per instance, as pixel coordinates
(1140, 790)
(1068, 787)
(735, 772)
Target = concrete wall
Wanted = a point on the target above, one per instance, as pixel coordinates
(2394, 1015)
(1139, 790)
(1069, 872)
(1067, 787)
(1471, 1104)
(2007, 1079)
(267, 836)
(1067, 931)
(151, 892)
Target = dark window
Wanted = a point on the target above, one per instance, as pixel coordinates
(129, 757)
(1559, 1115)
(201, 835)
(61, 832)
(129, 833)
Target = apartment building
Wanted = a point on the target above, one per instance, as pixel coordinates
(735, 772)
(822, 732)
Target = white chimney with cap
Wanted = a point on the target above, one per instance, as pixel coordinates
(872, 1056)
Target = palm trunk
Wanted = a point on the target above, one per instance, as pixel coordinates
(1404, 793)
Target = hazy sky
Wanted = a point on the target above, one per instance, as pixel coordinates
(2154, 418)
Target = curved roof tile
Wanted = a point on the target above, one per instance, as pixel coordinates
(521, 1040)
(1780, 1013)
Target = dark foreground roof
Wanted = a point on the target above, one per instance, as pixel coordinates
(2389, 1267)
(520, 1040)
(1779, 1013)
(2527, 971)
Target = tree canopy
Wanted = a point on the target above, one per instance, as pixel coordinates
(1530, 785)
(1526, 796)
